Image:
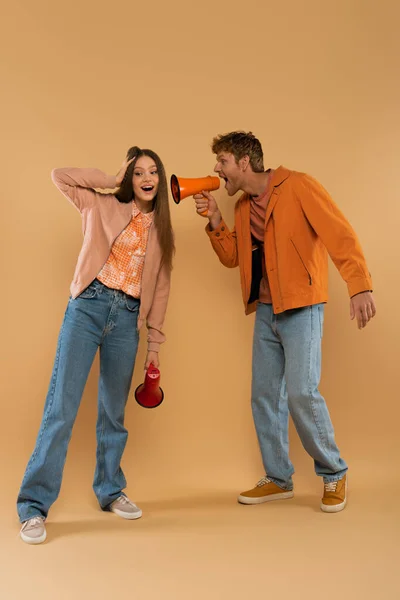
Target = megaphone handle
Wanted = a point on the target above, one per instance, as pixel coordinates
(204, 214)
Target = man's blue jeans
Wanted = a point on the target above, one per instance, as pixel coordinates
(286, 376)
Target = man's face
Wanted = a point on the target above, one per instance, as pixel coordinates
(230, 171)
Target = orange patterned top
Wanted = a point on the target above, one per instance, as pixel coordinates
(124, 267)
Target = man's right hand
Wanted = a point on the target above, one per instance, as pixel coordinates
(206, 206)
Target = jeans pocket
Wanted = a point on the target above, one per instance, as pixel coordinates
(90, 291)
(132, 304)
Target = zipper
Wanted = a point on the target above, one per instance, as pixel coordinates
(277, 269)
(302, 262)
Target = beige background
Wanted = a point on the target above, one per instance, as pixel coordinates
(318, 84)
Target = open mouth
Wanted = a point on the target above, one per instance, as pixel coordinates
(147, 188)
(224, 178)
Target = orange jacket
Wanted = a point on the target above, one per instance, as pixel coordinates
(302, 226)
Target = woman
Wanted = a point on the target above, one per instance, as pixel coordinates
(122, 279)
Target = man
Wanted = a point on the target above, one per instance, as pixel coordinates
(285, 226)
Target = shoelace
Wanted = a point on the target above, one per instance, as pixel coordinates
(32, 522)
(125, 500)
(331, 486)
(263, 481)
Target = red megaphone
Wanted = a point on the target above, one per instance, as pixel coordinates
(149, 394)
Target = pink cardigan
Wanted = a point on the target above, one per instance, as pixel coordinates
(103, 219)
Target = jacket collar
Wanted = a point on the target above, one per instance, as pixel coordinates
(279, 176)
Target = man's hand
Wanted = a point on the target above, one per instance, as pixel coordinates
(152, 357)
(362, 306)
(206, 203)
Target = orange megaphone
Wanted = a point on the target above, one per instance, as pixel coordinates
(149, 394)
(182, 188)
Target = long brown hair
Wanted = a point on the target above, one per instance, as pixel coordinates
(162, 217)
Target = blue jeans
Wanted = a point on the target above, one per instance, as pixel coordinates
(286, 375)
(98, 318)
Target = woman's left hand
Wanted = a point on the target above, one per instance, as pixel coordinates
(152, 357)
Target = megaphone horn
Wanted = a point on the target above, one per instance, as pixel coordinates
(182, 188)
(149, 394)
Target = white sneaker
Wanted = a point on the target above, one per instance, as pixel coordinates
(125, 508)
(33, 531)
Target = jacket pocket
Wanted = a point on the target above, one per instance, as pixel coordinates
(302, 262)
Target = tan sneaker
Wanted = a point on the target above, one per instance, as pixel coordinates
(125, 508)
(33, 531)
(265, 491)
(335, 496)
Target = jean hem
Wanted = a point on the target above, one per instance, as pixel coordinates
(288, 488)
(23, 520)
(333, 478)
(106, 507)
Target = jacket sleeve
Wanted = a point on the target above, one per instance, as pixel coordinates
(336, 234)
(156, 315)
(78, 185)
(224, 243)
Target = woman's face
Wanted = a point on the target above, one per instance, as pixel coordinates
(145, 179)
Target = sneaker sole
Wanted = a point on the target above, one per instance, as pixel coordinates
(334, 508)
(33, 541)
(128, 516)
(261, 500)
